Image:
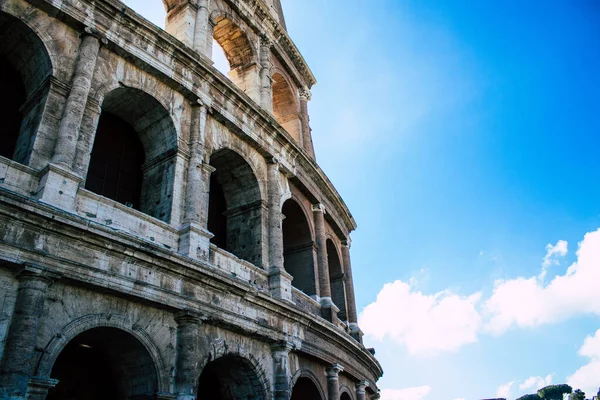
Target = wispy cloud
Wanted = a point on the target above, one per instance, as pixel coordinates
(587, 378)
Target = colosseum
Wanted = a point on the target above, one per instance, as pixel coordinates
(165, 230)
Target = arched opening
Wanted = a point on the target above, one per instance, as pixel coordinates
(305, 389)
(235, 207)
(104, 363)
(132, 159)
(233, 41)
(336, 279)
(285, 107)
(345, 396)
(298, 248)
(230, 378)
(25, 67)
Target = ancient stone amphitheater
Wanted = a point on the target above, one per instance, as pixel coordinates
(165, 231)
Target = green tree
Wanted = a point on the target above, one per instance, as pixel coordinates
(577, 395)
(529, 397)
(554, 392)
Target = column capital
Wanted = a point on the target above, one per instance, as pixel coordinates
(346, 243)
(305, 94)
(187, 317)
(282, 346)
(37, 272)
(319, 207)
(273, 162)
(206, 167)
(361, 386)
(376, 396)
(95, 33)
(266, 41)
(334, 370)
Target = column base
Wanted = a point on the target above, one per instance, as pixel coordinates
(280, 284)
(194, 241)
(355, 332)
(329, 310)
(58, 187)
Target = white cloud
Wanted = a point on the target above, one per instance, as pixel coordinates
(503, 391)
(528, 302)
(587, 378)
(425, 324)
(412, 393)
(534, 383)
(560, 249)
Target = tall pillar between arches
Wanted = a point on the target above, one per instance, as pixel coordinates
(187, 357)
(16, 367)
(333, 381)
(350, 298)
(280, 282)
(68, 130)
(203, 37)
(328, 309)
(305, 122)
(194, 235)
(266, 89)
(281, 370)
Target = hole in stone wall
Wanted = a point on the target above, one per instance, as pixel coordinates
(336, 279)
(298, 249)
(305, 389)
(230, 378)
(104, 363)
(24, 70)
(131, 160)
(235, 207)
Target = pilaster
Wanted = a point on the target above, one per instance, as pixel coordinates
(16, 366)
(280, 352)
(361, 388)
(333, 381)
(187, 358)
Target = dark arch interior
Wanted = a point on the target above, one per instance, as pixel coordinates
(298, 249)
(345, 396)
(132, 159)
(116, 164)
(235, 207)
(230, 378)
(24, 69)
(104, 363)
(305, 389)
(336, 279)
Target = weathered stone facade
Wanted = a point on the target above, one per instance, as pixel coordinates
(165, 232)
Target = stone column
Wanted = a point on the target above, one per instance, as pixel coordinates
(350, 299)
(333, 381)
(328, 309)
(361, 387)
(266, 90)
(305, 122)
(16, 366)
(187, 358)
(194, 236)
(376, 396)
(281, 370)
(68, 130)
(280, 282)
(203, 30)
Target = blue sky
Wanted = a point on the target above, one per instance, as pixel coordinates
(464, 137)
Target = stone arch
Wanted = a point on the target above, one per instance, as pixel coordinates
(285, 105)
(346, 393)
(336, 278)
(137, 125)
(233, 376)
(236, 206)
(298, 247)
(239, 51)
(306, 377)
(90, 322)
(25, 70)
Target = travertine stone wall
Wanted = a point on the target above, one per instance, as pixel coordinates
(171, 310)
